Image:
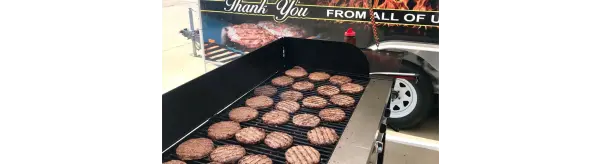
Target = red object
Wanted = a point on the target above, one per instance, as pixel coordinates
(349, 32)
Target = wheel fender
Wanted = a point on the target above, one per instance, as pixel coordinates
(423, 55)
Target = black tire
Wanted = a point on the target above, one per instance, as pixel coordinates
(424, 89)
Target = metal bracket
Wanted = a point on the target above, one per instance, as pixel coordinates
(379, 146)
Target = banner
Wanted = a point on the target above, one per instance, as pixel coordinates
(233, 27)
(282, 10)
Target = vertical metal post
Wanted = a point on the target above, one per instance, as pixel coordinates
(200, 35)
(193, 33)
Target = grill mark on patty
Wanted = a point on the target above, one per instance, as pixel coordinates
(302, 154)
(328, 90)
(322, 136)
(306, 120)
(309, 155)
(227, 153)
(276, 117)
(288, 106)
(278, 140)
(314, 102)
(332, 114)
(250, 135)
(291, 95)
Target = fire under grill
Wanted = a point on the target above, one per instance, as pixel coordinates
(298, 133)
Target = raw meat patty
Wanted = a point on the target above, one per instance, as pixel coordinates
(223, 130)
(291, 95)
(352, 88)
(174, 162)
(306, 120)
(303, 86)
(302, 155)
(318, 76)
(328, 90)
(314, 102)
(339, 80)
(282, 81)
(243, 114)
(266, 90)
(288, 106)
(249, 35)
(296, 72)
(322, 136)
(332, 114)
(250, 135)
(227, 153)
(275, 117)
(342, 100)
(255, 159)
(260, 102)
(279, 140)
(196, 148)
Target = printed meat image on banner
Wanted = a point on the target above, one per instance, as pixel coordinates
(245, 25)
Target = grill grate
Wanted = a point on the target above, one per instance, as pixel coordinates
(299, 133)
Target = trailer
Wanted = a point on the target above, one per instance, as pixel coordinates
(401, 39)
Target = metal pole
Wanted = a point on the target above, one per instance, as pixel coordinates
(193, 33)
(201, 34)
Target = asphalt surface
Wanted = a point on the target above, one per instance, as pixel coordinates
(179, 66)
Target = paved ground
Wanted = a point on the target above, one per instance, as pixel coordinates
(179, 66)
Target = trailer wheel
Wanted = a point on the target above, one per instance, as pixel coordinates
(411, 101)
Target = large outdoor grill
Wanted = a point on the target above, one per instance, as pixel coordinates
(190, 109)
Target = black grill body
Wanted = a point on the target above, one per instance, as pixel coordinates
(194, 106)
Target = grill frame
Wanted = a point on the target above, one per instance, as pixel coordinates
(298, 133)
(191, 105)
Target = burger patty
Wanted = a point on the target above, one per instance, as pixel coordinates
(322, 136)
(306, 120)
(302, 155)
(296, 72)
(303, 86)
(282, 81)
(318, 76)
(223, 130)
(250, 135)
(279, 140)
(255, 159)
(196, 148)
(328, 90)
(275, 117)
(342, 100)
(227, 153)
(352, 88)
(266, 90)
(339, 80)
(174, 162)
(243, 114)
(260, 102)
(314, 102)
(291, 95)
(288, 106)
(332, 114)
